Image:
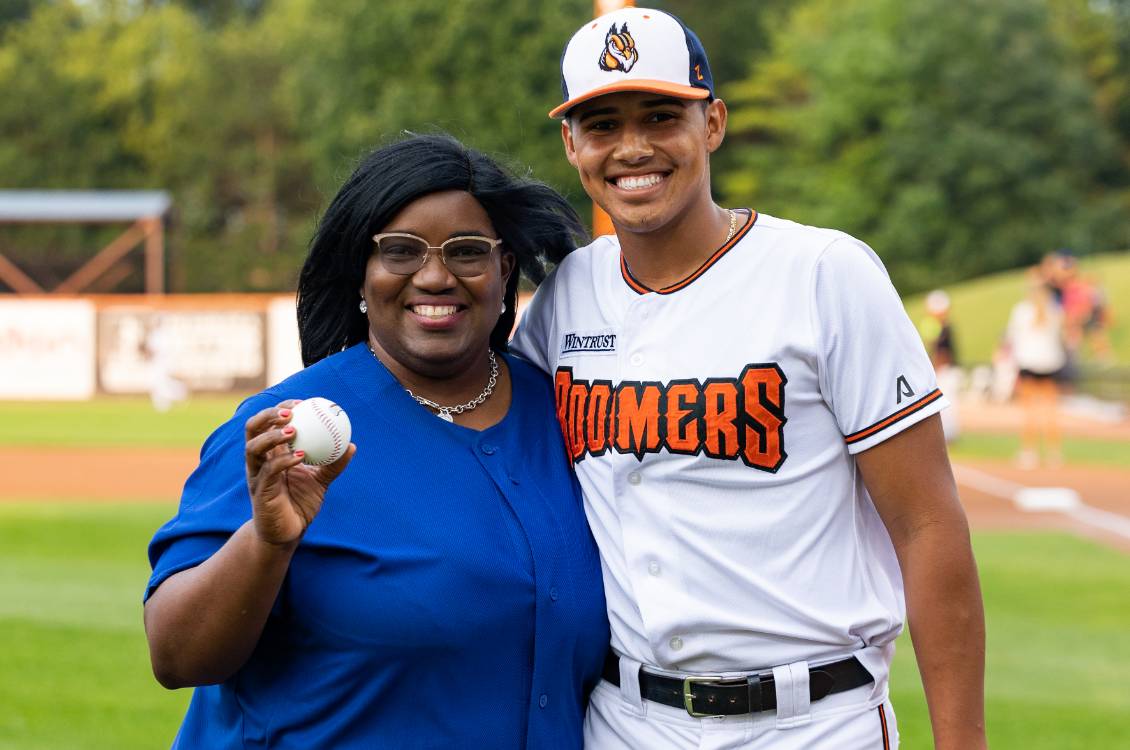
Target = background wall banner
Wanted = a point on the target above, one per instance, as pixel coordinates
(284, 354)
(205, 350)
(46, 349)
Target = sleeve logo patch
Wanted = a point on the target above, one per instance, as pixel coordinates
(590, 342)
(903, 389)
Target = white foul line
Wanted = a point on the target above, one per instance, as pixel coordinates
(987, 483)
(1102, 519)
(1007, 490)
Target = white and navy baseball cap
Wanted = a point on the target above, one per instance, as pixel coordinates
(633, 49)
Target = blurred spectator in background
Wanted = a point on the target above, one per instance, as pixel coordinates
(1051, 272)
(1057, 273)
(1097, 324)
(1035, 338)
(164, 389)
(937, 333)
(1084, 311)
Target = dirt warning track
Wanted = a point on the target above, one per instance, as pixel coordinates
(987, 488)
(124, 474)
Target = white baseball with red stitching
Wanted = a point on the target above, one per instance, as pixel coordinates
(321, 429)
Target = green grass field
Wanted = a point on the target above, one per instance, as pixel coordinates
(980, 307)
(112, 422)
(1058, 644)
(1077, 451)
(74, 661)
(76, 672)
(74, 669)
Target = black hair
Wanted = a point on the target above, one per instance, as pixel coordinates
(535, 223)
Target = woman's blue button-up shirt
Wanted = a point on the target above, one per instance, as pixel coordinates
(448, 594)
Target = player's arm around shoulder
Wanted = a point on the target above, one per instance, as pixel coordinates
(532, 337)
(911, 483)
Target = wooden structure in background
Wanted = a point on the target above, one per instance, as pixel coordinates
(144, 210)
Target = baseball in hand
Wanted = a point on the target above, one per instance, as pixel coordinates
(321, 429)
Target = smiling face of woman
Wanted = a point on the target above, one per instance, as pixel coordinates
(433, 323)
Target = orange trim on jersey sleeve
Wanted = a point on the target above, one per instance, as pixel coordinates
(641, 288)
(918, 405)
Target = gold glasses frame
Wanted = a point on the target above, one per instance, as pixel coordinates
(442, 248)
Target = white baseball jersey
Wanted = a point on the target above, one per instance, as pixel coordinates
(713, 425)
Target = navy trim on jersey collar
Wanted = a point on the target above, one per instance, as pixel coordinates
(640, 288)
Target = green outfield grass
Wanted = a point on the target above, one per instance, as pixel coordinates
(980, 307)
(1076, 450)
(74, 660)
(112, 422)
(1058, 646)
(76, 671)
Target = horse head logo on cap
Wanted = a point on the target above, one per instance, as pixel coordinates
(619, 50)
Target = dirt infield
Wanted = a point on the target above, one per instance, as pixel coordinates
(987, 490)
(100, 474)
(155, 474)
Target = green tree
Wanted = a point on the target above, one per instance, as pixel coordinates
(1098, 33)
(735, 33)
(57, 130)
(13, 10)
(956, 136)
(485, 70)
(117, 97)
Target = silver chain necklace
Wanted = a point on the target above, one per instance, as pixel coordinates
(445, 412)
(733, 225)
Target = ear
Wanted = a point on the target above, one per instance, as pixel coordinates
(508, 262)
(715, 124)
(567, 139)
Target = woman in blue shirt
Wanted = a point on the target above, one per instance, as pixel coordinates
(437, 586)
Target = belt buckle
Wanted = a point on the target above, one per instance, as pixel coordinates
(688, 696)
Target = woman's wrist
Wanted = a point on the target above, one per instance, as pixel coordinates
(267, 547)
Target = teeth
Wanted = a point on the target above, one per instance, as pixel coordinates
(637, 182)
(434, 311)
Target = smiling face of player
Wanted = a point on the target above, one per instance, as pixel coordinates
(644, 157)
(434, 323)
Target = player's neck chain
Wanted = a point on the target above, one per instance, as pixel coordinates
(733, 225)
(446, 413)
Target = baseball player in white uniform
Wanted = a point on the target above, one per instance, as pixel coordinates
(754, 424)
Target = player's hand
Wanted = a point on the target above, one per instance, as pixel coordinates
(286, 494)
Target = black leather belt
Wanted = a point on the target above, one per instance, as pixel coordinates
(714, 696)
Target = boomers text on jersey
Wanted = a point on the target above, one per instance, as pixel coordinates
(713, 425)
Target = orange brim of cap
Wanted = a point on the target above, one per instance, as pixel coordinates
(679, 91)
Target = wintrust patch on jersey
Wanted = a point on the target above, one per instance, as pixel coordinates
(588, 342)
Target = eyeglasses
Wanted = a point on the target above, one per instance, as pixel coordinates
(405, 254)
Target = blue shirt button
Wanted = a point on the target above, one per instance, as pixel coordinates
(489, 449)
(543, 701)
(553, 594)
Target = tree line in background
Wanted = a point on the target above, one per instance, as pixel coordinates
(957, 137)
